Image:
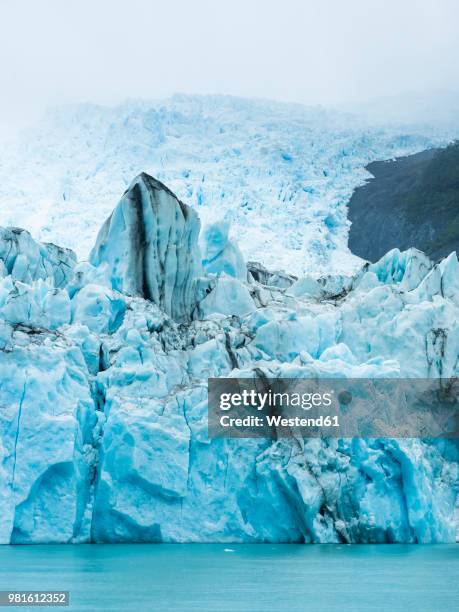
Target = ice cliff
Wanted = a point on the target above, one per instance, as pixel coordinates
(103, 399)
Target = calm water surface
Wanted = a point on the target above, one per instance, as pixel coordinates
(246, 577)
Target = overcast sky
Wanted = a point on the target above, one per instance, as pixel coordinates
(311, 51)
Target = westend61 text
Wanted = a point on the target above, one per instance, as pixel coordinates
(278, 421)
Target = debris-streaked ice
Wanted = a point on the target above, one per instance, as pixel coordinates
(149, 247)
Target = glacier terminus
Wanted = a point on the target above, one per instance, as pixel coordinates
(103, 398)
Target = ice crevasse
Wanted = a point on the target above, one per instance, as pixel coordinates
(103, 396)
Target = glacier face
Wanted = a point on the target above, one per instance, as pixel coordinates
(280, 174)
(103, 401)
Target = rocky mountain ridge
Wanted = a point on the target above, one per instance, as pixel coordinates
(411, 201)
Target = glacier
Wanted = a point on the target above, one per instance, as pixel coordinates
(103, 397)
(280, 175)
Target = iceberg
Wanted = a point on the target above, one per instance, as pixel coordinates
(104, 368)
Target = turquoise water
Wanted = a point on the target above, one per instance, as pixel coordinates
(251, 577)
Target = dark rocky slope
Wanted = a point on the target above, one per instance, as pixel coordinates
(412, 202)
